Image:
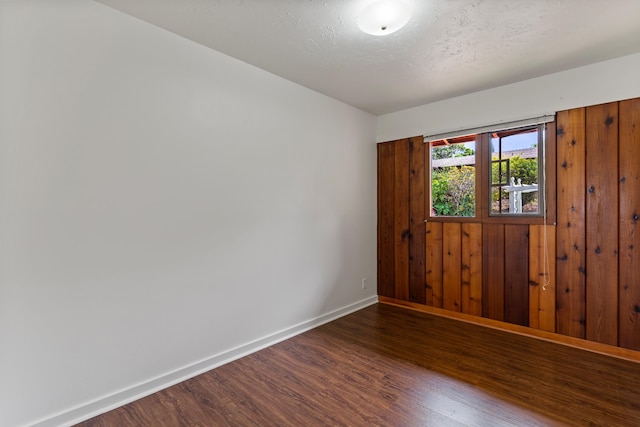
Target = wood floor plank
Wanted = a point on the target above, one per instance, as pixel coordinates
(390, 366)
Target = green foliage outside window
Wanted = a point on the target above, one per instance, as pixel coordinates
(449, 151)
(524, 169)
(453, 191)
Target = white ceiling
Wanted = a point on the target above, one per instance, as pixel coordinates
(449, 47)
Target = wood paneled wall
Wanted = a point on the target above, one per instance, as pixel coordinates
(497, 271)
(598, 209)
(580, 278)
(401, 235)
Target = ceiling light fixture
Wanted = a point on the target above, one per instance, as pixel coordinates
(384, 17)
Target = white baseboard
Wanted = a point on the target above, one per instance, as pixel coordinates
(122, 397)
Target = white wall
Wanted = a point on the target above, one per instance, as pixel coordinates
(607, 81)
(163, 208)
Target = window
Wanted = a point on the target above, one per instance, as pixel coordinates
(516, 171)
(488, 174)
(453, 177)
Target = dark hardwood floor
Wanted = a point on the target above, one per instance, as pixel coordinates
(390, 366)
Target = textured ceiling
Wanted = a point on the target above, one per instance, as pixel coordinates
(449, 47)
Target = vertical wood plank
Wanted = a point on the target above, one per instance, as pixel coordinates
(602, 229)
(629, 309)
(570, 233)
(386, 219)
(536, 264)
(472, 269)
(516, 274)
(451, 267)
(401, 220)
(417, 216)
(433, 263)
(542, 277)
(493, 271)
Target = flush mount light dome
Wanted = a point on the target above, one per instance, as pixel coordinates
(384, 17)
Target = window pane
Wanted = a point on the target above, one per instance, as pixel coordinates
(515, 172)
(499, 200)
(453, 179)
